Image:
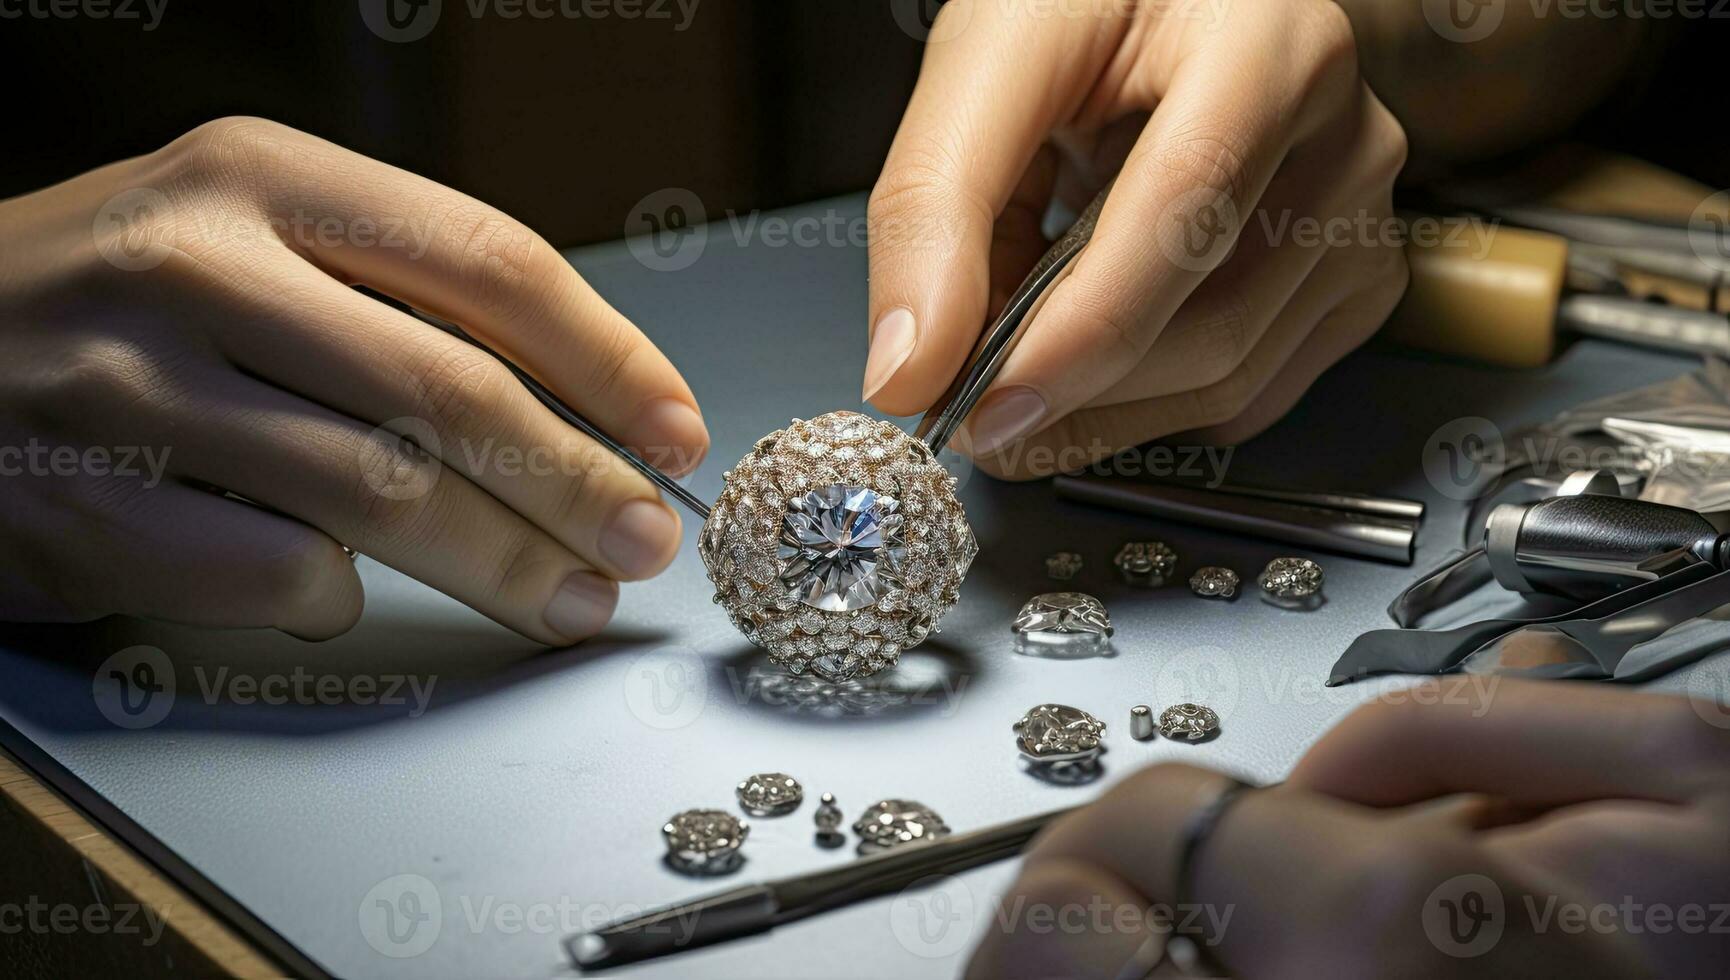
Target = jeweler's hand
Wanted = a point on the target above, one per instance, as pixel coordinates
(1553, 829)
(183, 323)
(1244, 248)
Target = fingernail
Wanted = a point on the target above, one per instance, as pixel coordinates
(640, 538)
(891, 343)
(582, 605)
(1004, 417)
(670, 435)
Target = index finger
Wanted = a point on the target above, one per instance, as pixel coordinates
(985, 102)
(467, 262)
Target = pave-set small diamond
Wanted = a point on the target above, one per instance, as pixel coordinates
(769, 794)
(891, 823)
(836, 544)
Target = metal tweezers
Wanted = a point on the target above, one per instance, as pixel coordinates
(940, 422)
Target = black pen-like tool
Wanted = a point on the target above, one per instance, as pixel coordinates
(753, 909)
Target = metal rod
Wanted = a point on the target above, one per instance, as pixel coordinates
(1364, 535)
(1362, 503)
(753, 909)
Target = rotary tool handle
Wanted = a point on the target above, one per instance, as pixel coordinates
(1560, 544)
(1614, 528)
(1491, 292)
(1484, 292)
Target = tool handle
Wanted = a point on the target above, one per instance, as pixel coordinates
(1593, 543)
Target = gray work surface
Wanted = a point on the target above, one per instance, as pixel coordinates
(530, 795)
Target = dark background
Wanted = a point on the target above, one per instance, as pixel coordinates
(567, 122)
(563, 123)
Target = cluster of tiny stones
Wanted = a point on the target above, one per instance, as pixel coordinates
(858, 602)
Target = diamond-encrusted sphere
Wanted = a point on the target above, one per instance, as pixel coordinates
(836, 544)
(704, 841)
(1058, 733)
(890, 823)
(770, 794)
(1189, 721)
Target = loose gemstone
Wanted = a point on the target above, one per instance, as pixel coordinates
(1147, 563)
(891, 823)
(770, 794)
(1058, 733)
(1189, 721)
(1063, 613)
(841, 547)
(1062, 565)
(1294, 583)
(1214, 582)
(704, 841)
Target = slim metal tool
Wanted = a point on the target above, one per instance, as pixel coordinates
(753, 909)
(945, 416)
(571, 416)
(1366, 534)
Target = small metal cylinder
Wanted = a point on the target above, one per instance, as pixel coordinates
(1141, 723)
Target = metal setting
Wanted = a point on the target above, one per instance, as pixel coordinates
(770, 794)
(1214, 582)
(1188, 721)
(1291, 583)
(891, 823)
(705, 841)
(1146, 563)
(1058, 733)
(1141, 723)
(1062, 565)
(1063, 618)
(828, 819)
(836, 544)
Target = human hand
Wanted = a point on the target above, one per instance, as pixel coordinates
(183, 321)
(1594, 819)
(1242, 250)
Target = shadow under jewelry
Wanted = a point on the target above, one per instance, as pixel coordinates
(931, 676)
(1064, 773)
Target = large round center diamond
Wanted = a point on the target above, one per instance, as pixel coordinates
(841, 547)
